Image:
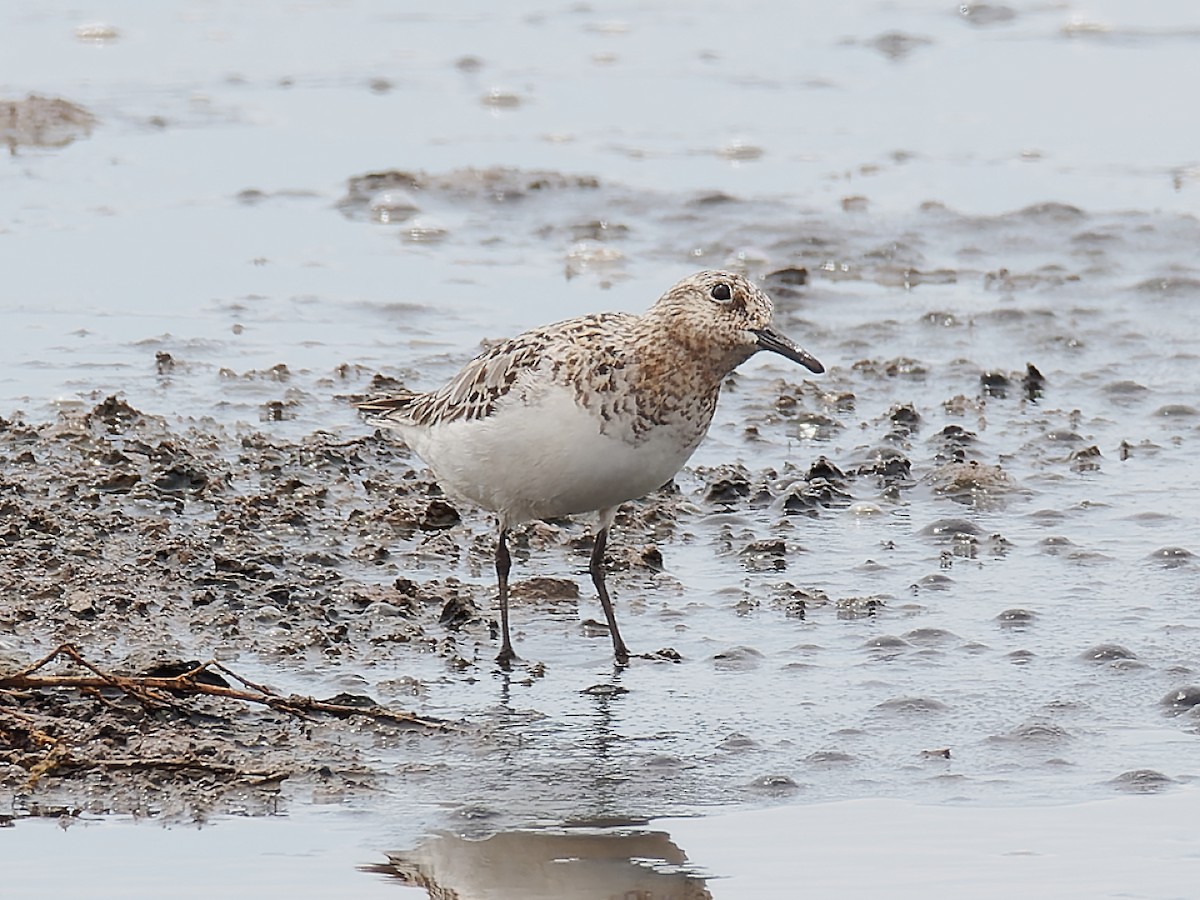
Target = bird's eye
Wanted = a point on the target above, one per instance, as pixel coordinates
(721, 292)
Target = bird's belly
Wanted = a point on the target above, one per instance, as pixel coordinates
(551, 458)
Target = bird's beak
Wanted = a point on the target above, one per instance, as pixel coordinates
(770, 339)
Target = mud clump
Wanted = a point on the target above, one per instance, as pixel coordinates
(117, 531)
(40, 121)
(493, 185)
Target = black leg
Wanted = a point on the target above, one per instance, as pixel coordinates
(503, 565)
(620, 651)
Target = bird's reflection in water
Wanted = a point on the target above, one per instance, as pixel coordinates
(580, 864)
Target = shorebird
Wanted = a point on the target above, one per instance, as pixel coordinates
(583, 415)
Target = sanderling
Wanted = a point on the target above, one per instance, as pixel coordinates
(583, 415)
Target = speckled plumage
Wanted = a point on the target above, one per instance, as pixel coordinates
(582, 415)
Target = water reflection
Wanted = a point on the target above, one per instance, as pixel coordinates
(580, 863)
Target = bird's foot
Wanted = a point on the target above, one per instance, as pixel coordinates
(506, 657)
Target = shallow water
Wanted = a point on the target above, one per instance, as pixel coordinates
(970, 194)
(1118, 847)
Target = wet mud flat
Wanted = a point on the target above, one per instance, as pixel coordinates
(959, 565)
(144, 548)
(140, 547)
(894, 610)
(919, 577)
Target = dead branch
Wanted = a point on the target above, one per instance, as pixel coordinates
(103, 679)
(157, 691)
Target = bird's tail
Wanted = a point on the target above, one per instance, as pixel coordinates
(385, 406)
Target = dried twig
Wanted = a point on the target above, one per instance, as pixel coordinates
(27, 678)
(155, 691)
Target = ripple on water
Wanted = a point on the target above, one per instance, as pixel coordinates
(738, 659)
(425, 230)
(1142, 781)
(947, 530)
(830, 758)
(1125, 391)
(1055, 544)
(1016, 618)
(799, 667)
(736, 742)
(911, 706)
(1064, 436)
(393, 206)
(1034, 732)
(1103, 653)
(1050, 213)
(775, 785)
(1151, 517)
(1169, 287)
(887, 643)
(664, 762)
(934, 582)
(1114, 656)
(1172, 557)
(930, 637)
(1183, 699)
(1177, 411)
(1048, 517)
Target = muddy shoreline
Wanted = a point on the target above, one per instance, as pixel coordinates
(332, 566)
(150, 547)
(848, 573)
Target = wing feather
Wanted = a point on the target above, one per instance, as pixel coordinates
(474, 391)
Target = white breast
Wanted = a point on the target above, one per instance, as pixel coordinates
(544, 456)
